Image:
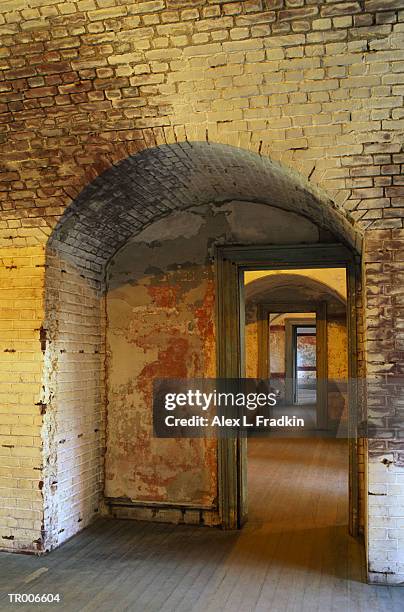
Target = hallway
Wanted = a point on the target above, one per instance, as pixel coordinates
(293, 555)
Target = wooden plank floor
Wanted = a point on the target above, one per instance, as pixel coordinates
(293, 555)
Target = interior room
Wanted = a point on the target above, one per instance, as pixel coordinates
(299, 481)
(201, 190)
(130, 298)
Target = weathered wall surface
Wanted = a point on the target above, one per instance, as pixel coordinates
(384, 294)
(319, 86)
(251, 341)
(21, 455)
(337, 341)
(277, 351)
(160, 323)
(72, 400)
(306, 358)
(337, 351)
(51, 399)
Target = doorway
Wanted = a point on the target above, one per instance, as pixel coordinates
(304, 363)
(277, 322)
(232, 264)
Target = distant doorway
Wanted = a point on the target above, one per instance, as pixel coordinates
(304, 364)
(292, 338)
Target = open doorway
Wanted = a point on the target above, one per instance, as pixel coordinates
(297, 320)
(304, 363)
(292, 364)
(309, 300)
(292, 355)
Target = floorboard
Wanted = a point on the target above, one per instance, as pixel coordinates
(293, 555)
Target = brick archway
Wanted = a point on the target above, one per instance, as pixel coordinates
(117, 205)
(148, 186)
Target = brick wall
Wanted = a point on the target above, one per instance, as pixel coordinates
(51, 409)
(316, 86)
(74, 407)
(21, 457)
(384, 291)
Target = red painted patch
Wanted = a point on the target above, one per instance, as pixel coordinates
(204, 314)
(165, 296)
(171, 363)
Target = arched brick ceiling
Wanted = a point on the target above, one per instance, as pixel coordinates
(293, 288)
(148, 186)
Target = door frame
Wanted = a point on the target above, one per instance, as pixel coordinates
(230, 263)
(320, 310)
(291, 356)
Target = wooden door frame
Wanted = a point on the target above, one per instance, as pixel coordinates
(320, 310)
(230, 263)
(291, 368)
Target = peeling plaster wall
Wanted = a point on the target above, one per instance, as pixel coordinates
(277, 348)
(306, 357)
(160, 323)
(251, 340)
(337, 349)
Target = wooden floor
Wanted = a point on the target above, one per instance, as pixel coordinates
(293, 555)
